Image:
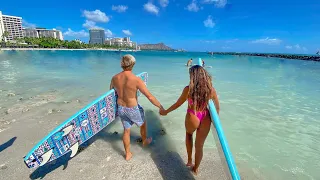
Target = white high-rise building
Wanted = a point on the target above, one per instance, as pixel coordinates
(11, 24)
(120, 42)
(1, 26)
(42, 32)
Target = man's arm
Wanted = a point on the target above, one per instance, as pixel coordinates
(144, 90)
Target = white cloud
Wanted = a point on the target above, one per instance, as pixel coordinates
(151, 8)
(193, 7)
(90, 24)
(221, 3)
(209, 1)
(27, 24)
(231, 40)
(297, 47)
(108, 33)
(120, 8)
(209, 22)
(164, 3)
(267, 41)
(225, 47)
(208, 41)
(96, 16)
(217, 3)
(127, 32)
(76, 34)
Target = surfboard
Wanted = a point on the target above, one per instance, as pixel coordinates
(76, 130)
(222, 140)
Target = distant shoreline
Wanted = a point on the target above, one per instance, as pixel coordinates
(57, 49)
(267, 55)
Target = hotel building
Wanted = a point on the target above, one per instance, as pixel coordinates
(42, 32)
(97, 36)
(11, 24)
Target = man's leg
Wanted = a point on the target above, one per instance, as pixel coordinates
(126, 143)
(127, 123)
(143, 127)
(143, 132)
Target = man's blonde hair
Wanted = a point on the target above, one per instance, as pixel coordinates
(127, 62)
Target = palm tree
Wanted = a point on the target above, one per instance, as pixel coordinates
(5, 35)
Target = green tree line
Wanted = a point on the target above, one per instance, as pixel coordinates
(49, 42)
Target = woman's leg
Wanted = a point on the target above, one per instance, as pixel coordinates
(191, 124)
(202, 133)
(189, 146)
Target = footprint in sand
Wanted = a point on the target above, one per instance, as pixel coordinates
(11, 94)
(3, 129)
(3, 166)
(9, 122)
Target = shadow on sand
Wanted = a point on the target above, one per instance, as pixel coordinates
(42, 171)
(163, 152)
(7, 144)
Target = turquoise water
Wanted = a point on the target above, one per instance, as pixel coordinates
(269, 107)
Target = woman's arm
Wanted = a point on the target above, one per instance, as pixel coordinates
(215, 100)
(111, 84)
(183, 97)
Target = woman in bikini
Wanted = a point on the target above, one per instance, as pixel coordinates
(198, 93)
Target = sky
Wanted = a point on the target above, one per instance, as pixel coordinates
(279, 26)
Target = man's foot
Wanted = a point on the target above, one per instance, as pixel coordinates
(147, 141)
(195, 171)
(128, 156)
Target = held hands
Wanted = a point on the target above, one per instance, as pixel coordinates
(162, 111)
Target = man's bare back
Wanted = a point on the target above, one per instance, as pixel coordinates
(126, 85)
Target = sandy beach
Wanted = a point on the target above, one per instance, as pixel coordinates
(25, 122)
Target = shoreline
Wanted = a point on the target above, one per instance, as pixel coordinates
(267, 55)
(57, 49)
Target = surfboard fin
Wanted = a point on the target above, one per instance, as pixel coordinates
(74, 148)
(45, 157)
(67, 130)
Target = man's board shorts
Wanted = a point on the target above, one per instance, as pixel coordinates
(130, 116)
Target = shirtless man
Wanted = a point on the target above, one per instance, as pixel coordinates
(126, 85)
(189, 63)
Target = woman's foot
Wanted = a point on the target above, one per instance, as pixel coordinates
(189, 164)
(195, 170)
(147, 141)
(128, 156)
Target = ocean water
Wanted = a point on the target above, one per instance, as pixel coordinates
(269, 107)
